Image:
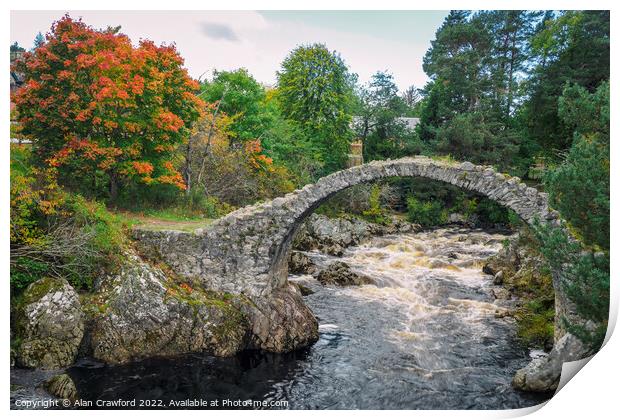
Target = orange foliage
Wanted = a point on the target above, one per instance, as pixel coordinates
(91, 97)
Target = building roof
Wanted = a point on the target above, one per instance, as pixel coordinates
(410, 122)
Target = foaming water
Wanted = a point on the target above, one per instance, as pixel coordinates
(425, 337)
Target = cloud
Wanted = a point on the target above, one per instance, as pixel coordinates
(227, 40)
(219, 31)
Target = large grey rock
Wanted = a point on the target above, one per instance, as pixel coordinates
(341, 274)
(498, 278)
(140, 313)
(282, 322)
(332, 236)
(457, 218)
(49, 324)
(500, 293)
(543, 374)
(143, 314)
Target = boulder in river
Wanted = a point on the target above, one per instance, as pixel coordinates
(332, 236)
(307, 284)
(500, 293)
(141, 313)
(300, 263)
(281, 322)
(49, 324)
(498, 278)
(340, 273)
(543, 374)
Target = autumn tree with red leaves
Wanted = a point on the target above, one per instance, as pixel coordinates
(98, 107)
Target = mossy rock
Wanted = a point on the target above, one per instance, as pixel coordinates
(49, 325)
(142, 312)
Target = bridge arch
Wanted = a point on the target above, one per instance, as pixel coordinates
(247, 251)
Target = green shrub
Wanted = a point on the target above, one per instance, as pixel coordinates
(375, 213)
(97, 237)
(535, 323)
(585, 276)
(579, 187)
(199, 204)
(427, 213)
(25, 271)
(57, 234)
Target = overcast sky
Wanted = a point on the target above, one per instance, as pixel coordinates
(367, 40)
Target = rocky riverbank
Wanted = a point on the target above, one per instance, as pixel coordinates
(145, 310)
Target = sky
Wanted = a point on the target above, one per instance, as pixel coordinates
(368, 41)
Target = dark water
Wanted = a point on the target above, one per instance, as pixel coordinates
(426, 338)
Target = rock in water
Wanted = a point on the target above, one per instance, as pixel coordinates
(307, 285)
(300, 263)
(340, 273)
(500, 293)
(281, 322)
(498, 279)
(145, 315)
(49, 324)
(490, 268)
(62, 386)
(543, 374)
(332, 236)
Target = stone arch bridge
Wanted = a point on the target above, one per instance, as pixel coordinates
(247, 251)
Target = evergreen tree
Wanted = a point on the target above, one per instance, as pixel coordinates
(377, 124)
(570, 47)
(39, 40)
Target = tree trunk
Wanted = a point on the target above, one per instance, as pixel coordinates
(511, 73)
(113, 186)
(187, 170)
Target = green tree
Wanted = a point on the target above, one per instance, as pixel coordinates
(579, 187)
(412, 96)
(377, 123)
(510, 31)
(573, 47)
(315, 92)
(288, 145)
(475, 65)
(242, 98)
(456, 59)
(15, 47)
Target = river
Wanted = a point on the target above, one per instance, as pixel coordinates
(427, 336)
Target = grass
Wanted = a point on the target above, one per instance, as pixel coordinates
(163, 220)
(445, 159)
